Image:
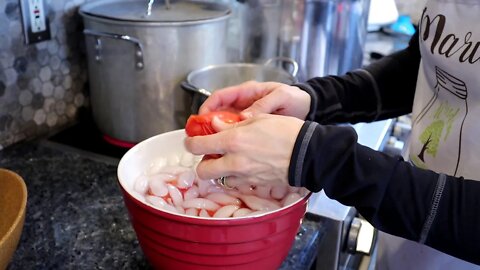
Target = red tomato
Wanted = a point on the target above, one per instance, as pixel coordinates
(199, 125)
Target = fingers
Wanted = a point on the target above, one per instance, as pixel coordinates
(252, 98)
(237, 97)
(212, 168)
(283, 100)
(232, 181)
(217, 143)
(220, 167)
(223, 98)
(256, 149)
(271, 103)
(209, 144)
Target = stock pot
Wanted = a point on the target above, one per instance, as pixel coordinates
(137, 59)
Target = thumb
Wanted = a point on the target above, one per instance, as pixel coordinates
(218, 125)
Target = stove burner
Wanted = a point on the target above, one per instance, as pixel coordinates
(119, 143)
(85, 135)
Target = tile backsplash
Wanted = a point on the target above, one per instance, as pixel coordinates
(42, 85)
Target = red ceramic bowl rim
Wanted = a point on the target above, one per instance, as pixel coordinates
(195, 219)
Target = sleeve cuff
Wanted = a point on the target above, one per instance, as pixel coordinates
(314, 99)
(299, 153)
(321, 154)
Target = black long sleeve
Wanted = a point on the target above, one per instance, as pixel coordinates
(381, 90)
(396, 197)
(421, 205)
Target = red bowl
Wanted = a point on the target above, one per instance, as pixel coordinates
(174, 241)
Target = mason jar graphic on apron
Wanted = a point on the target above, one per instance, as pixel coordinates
(439, 125)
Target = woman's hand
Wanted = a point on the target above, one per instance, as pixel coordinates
(256, 150)
(251, 98)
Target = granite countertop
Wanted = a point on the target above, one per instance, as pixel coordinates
(76, 218)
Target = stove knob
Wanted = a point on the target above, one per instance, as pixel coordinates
(361, 236)
(401, 131)
(394, 142)
(353, 235)
(394, 146)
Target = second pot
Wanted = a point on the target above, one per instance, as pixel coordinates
(202, 82)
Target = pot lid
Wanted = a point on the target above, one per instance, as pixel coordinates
(137, 11)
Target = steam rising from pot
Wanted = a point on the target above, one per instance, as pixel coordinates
(150, 4)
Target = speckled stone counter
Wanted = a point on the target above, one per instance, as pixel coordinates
(76, 218)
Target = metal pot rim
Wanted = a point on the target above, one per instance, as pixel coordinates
(194, 73)
(147, 23)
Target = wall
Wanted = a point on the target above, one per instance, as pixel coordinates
(42, 85)
(413, 8)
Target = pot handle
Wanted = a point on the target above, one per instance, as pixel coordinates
(284, 59)
(192, 88)
(139, 64)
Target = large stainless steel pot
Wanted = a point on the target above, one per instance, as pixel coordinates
(136, 61)
(326, 37)
(254, 26)
(204, 81)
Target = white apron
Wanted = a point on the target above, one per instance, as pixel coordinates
(446, 117)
